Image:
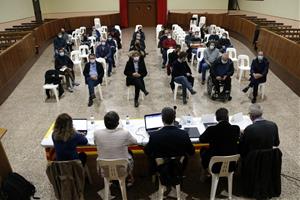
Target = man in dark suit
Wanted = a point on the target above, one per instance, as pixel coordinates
(135, 71)
(168, 141)
(93, 73)
(262, 134)
(222, 138)
(258, 74)
(103, 50)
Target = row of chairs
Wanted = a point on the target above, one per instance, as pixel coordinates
(197, 21)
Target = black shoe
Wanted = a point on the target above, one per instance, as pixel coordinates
(245, 89)
(109, 74)
(163, 66)
(203, 82)
(61, 94)
(93, 97)
(48, 97)
(90, 103)
(193, 92)
(184, 101)
(229, 98)
(136, 104)
(146, 93)
(253, 100)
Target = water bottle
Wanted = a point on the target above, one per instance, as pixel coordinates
(127, 120)
(92, 121)
(189, 120)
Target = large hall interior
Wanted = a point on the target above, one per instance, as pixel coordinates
(136, 57)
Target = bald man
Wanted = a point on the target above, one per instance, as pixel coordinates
(221, 71)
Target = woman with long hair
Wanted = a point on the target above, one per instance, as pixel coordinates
(66, 139)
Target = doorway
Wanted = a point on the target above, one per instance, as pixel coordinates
(142, 12)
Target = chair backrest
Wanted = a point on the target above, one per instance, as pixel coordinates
(75, 56)
(243, 61)
(202, 21)
(225, 160)
(113, 169)
(82, 29)
(93, 40)
(212, 27)
(83, 49)
(78, 31)
(137, 26)
(206, 38)
(200, 53)
(97, 23)
(232, 53)
(103, 62)
(174, 26)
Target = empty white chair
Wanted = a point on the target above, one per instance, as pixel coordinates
(202, 21)
(113, 169)
(84, 52)
(104, 65)
(158, 29)
(82, 30)
(194, 20)
(75, 57)
(232, 54)
(243, 65)
(53, 88)
(137, 27)
(97, 23)
(224, 172)
(200, 56)
(131, 87)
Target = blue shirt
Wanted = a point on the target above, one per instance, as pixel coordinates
(93, 69)
(136, 66)
(67, 150)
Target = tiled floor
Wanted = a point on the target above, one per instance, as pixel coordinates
(27, 117)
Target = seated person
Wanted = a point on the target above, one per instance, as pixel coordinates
(162, 38)
(135, 71)
(85, 40)
(139, 32)
(137, 39)
(59, 42)
(211, 53)
(224, 43)
(113, 46)
(66, 139)
(195, 42)
(96, 34)
(258, 73)
(116, 35)
(93, 73)
(103, 50)
(188, 38)
(169, 141)
(214, 37)
(182, 74)
(64, 65)
(221, 72)
(222, 138)
(172, 58)
(113, 142)
(137, 47)
(203, 31)
(167, 44)
(66, 37)
(161, 32)
(52, 77)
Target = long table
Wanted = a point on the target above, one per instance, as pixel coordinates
(136, 127)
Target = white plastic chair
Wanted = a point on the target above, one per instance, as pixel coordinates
(168, 52)
(158, 29)
(75, 57)
(131, 87)
(104, 65)
(202, 21)
(74, 38)
(200, 56)
(243, 65)
(261, 89)
(113, 169)
(206, 38)
(100, 91)
(53, 88)
(212, 28)
(117, 50)
(137, 26)
(119, 29)
(232, 54)
(84, 52)
(224, 172)
(82, 30)
(177, 85)
(194, 21)
(97, 23)
(92, 39)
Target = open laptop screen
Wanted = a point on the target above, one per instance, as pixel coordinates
(80, 125)
(153, 121)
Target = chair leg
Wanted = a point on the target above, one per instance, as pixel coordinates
(262, 90)
(100, 92)
(175, 92)
(55, 94)
(240, 75)
(106, 189)
(123, 188)
(214, 184)
(178, 192)
(161, 190)
(230, 185)
(128, 93)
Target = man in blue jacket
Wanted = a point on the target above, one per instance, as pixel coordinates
(104, 51)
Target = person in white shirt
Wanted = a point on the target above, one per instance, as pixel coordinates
(113, 142)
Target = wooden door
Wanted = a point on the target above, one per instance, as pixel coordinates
(142, 12)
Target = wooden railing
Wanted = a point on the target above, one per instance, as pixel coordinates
(14, 60)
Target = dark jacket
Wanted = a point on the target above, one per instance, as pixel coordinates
(141, 33)
(129, 70)
(223, 42)
(261, 134)
(59, 43)
(172, 58)
(63, 61)
(169, 141)
(100, 71)
(52, 77)
(142, 44)
(67, 150)
(103, 51)
(220, 69)
(180, 69)
(261, 68)
(213, 38)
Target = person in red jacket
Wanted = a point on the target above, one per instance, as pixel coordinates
(167, 44)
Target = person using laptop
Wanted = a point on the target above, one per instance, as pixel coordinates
(169, 141)
(66, 139)
(222, 138)
(113, 142)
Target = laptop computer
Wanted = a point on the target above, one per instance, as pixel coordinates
(153, 122)
(80, 125)
(193, 132)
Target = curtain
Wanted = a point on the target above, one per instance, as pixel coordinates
(162, 11)
(124, 13)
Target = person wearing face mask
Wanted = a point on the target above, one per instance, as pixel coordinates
(137, 40)
(224, 43)
(211, 53)
(167, 44)
(182, 74)
(214, 36)
(96, 34)
(59, 42)
(188, 38)
(113, 46)
(195, 42)
(104, 51)
(140, 32)
(116, 35)
(172, 58)
(258, 73)
(65, 36)
(137, 47)
(162, 38)
(64, 65)
(93, 73)
(135, 71)
(221, 71)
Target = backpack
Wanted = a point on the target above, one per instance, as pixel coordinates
(16, 187)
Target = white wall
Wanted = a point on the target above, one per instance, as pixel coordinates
(174, 5)
(281, 8)
(15, 9)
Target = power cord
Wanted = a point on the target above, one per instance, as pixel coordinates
(139, 132)
(292, 179)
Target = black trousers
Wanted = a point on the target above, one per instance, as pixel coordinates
(69, 74)
(139, 85)
(255, 83)
(226, 82)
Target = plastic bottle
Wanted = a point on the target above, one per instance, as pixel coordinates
(127, 120)
(92, 121)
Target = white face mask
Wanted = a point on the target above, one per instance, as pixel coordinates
(136, 59)
(169, 36)
(197, 36)
(260, 58)
(212, 47)
(60, 36)
(223, 37)
(103, 43)
(109, 38)
(92, 61)
(223, 61)
(61, 53)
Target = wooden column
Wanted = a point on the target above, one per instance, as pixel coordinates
(5, 167)
(37, 11)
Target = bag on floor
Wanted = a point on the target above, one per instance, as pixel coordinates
(16, 187)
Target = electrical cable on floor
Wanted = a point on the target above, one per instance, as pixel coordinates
(292, 179)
